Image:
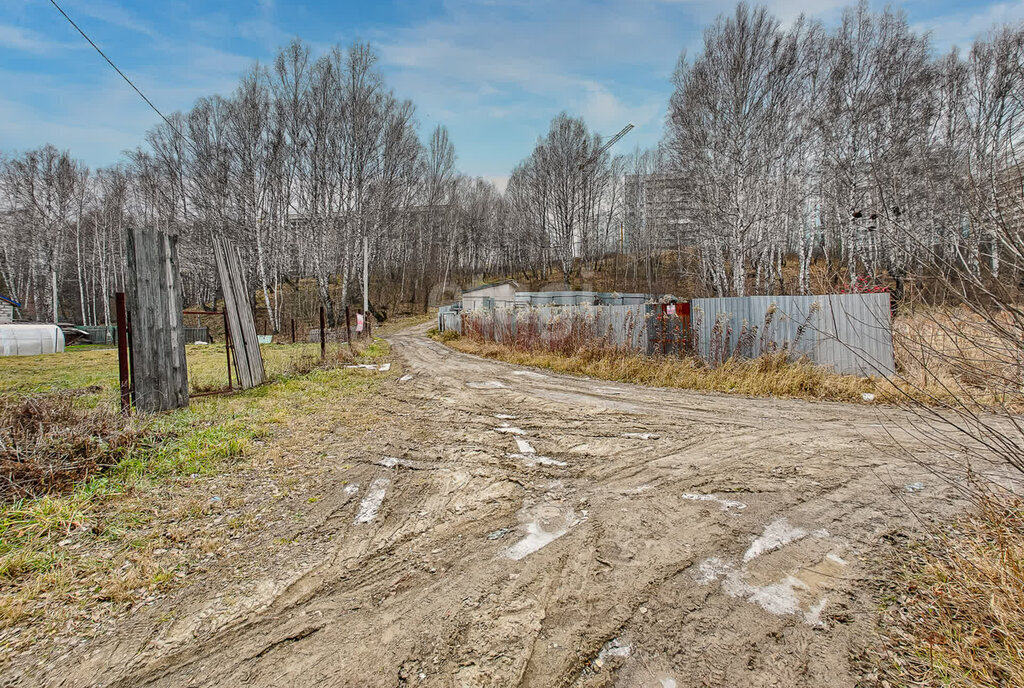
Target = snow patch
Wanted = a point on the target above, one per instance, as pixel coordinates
(529, 373)
(775, 535)
(392, 461)
(370, 505)
(351, 489)
(504, 416)
(547, 525)
(405, 378)
(725, 503)
(506, 428)
(488, 384)
(835, 558)
(530, 460)
(640, 435)
(524, 446)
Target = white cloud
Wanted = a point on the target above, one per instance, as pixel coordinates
(28, 41)
(961, 28)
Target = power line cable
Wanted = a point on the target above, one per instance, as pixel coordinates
(123, 75)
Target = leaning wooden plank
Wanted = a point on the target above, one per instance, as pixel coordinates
(241, 324)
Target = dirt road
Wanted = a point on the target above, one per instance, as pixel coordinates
(514, 527)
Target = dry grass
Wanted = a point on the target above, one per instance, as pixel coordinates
(951, 355)
(766, 376)
(958, 619)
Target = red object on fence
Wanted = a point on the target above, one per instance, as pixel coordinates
(663, 335)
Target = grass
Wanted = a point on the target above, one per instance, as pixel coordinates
(99, 540)
(766, 376)
(957, 617)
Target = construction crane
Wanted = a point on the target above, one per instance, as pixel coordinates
(611, 142)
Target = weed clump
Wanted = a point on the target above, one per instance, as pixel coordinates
(48, 444)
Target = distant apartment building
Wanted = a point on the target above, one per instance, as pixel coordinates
(658, 205)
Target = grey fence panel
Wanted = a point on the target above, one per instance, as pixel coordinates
(849, 333)
(622, 326)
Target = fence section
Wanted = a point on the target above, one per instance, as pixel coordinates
(158, 367)
(621, 326)
(849, 333)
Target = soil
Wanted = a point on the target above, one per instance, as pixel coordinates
(508, 526)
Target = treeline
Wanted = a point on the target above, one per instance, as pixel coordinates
(302, 163)
(855, 150)
(794, 158)
(856, 146)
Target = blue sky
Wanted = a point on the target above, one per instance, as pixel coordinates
(494, 72)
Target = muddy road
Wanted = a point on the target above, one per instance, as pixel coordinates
(514, 527)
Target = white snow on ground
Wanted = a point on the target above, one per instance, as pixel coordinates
(725, 503)
(504, 416)
(351, 489)
(509, 429)
(640, 435)
(405, 378)
(778, 598)
(534, 459)
(524, 446)
(614, 648)
(488, 384)
(529, 373)
(384, 367)
(392, 461)
(775, 535)
(370, 505)
(539, 534)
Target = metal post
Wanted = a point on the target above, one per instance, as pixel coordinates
(366, 276)
(293, 330)
(323, 333)
(227, 345)
(122, 352)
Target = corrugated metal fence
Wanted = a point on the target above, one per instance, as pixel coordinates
(849, 333)
(616, 325)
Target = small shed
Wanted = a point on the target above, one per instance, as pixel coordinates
(490, 296)
(30, 339)
(7, 306)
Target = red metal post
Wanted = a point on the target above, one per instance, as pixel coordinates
(122, 352)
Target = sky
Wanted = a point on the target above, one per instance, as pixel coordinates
(494, 72)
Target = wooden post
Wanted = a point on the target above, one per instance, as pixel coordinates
(293, 330)
(122, 352)
(323, 333)
(348, 326)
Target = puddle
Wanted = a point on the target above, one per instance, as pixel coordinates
(524, 446)
(640, 435)
(726, 504)
(488, 384)
(370, 505)
(547, 525)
